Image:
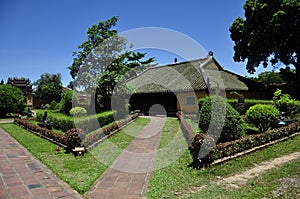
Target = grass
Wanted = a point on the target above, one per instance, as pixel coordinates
(178, 177)
(263, 186)
(79, 172)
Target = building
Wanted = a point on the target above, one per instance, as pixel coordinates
(26, 87)
(178, 86)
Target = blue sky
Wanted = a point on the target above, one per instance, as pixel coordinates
(39, 36)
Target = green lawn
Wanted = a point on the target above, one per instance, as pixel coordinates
(179, 178)
(79, 172)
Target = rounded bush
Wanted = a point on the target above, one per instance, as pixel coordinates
(262, 115)
(217, 116)
(78, 111)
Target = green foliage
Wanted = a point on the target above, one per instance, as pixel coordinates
(11, 100)
(269, 33)
(247, 104)
(97, 34)
(109, 62)
(226, 149)
(270, 77)
(217, 116)
(286, 104)
(46, 106)
(93, 137)
(89, 123)
(49, 87)
(53, 105)
(78, 111)
(67, 101)
(49, 134)
(262, 115)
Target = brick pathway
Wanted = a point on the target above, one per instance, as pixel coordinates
(23, 176)
(129, 174)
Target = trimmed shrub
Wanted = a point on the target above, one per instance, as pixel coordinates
(226, 149)
(262, 116)
(78, 111)
(188, 132)
(90, 139)
(87, 123)
(286, 104)
(199, 141)
(42, 131)
(247, 104)
(74, 138)
(226, 120)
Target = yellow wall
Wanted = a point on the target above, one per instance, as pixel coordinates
(181, 101)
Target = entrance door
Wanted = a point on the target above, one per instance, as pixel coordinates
(144, 102)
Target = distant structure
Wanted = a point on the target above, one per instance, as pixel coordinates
(25, 85)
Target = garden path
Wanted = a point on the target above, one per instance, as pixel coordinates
(23, 176)
(129, 175)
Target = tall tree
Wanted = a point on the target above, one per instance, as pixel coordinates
(96, 35)
(270, 77)
(269, 33)
(102, 61)
(49, 87)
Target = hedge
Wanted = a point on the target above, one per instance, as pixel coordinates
(92, 138)
(242, 110)
(70, 139)
(217, 116)
(88, 123)
(226, 149)
(186, 129)
(53, 136)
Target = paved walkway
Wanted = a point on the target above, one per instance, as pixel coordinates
(128, 176)
(23, 176)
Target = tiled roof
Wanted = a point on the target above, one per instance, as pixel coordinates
(187, 76)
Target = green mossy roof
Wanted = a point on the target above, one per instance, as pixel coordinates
(187, 76)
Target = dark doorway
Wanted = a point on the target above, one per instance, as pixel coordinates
(144, 102)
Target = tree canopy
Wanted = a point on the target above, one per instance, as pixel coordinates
(103, 60)
(11, 100)
(268, 34)
(49, 87)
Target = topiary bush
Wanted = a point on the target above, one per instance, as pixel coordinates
(225, 119)
(262, 115)
(74, 138)
(78, 111)
(286, 104)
